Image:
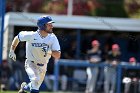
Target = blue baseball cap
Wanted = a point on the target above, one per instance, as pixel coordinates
(44, 20)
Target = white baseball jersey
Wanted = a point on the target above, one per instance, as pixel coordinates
(39, 48)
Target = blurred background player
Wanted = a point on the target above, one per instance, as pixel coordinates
(94, 56)
(5, 74)
(40, 46)
(131, 77)
(113, 58)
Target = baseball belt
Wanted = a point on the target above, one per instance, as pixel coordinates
(38, 64)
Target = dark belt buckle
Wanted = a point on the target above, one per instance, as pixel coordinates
(32, 61)
(40, 64)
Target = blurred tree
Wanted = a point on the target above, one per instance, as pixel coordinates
(92, 6)
(132, 8)
(104, 8)
(111, 8)
(55, 7)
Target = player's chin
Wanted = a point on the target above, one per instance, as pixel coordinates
(50, 31)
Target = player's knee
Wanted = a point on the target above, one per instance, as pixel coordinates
(106, 83)
(35, 83)
(64, 78)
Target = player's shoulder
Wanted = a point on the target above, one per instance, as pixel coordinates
(52, 35)
(28, 32)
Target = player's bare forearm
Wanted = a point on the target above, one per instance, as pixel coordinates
(14, 43)
(56, 54)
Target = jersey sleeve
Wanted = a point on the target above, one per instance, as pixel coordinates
(24, 36)
(55, 44)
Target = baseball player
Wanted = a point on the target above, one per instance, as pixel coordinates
(94, 56)
(110, 72)
(40, 46)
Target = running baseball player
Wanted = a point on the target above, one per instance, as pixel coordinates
(40, 46)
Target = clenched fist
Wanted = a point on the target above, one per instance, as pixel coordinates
(12, 55)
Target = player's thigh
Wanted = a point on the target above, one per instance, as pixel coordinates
(31, 70)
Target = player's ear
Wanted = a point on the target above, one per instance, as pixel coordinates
(45, 26)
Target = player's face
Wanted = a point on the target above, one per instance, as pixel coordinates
(49, 27)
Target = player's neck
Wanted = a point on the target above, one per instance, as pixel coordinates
(43, 33)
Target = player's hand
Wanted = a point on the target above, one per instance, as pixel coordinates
(114, 63)
(12, 55)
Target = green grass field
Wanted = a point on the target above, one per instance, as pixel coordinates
(40, 92)
(28, 92)
(17, 92)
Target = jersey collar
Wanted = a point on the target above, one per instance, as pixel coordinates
(40, 34)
